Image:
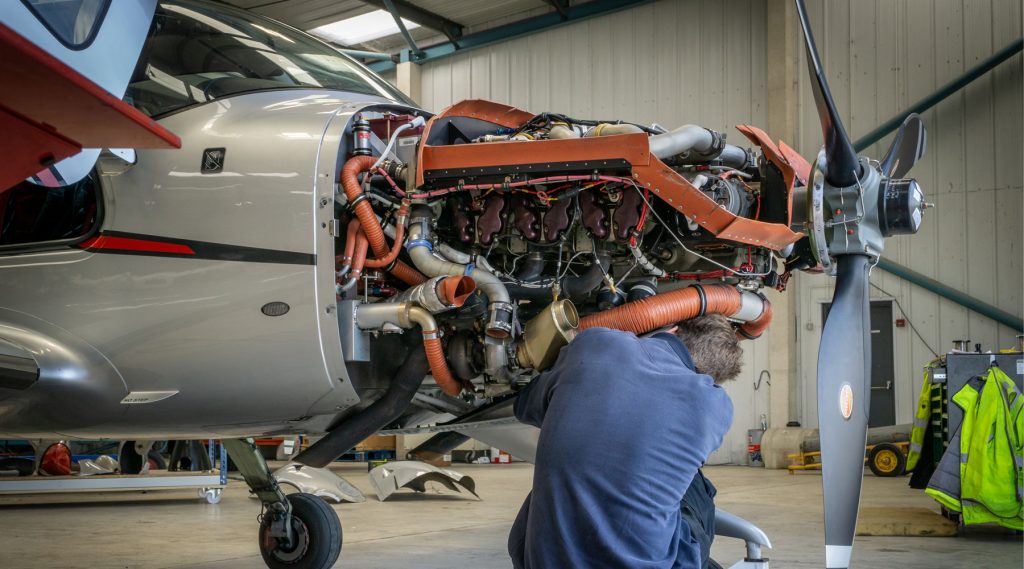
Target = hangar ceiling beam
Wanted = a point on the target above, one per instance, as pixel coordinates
(390, 5)
(560, 7)
(427, 19)
(504, 32)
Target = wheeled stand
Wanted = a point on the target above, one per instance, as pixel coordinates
(297, 531)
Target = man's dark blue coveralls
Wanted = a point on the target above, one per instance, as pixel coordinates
(625, 424)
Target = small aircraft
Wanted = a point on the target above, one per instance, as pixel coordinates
(269, 276)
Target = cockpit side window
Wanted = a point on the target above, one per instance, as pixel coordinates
(73, 22)
(198, 52)
(32, 214)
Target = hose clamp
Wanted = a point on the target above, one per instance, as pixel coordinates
(419, 243)
(703, 299)
(358, 200)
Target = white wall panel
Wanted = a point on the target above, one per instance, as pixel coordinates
(882, 56)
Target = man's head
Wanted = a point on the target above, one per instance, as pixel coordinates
(713, 346)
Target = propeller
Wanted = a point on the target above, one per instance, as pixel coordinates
(906, 149)
(843, 167)
(852, 207)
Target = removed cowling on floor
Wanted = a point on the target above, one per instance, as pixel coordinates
(390, 477)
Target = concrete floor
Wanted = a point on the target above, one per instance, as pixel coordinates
(172, 529)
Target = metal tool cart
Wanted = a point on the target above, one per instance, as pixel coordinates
(209, 483)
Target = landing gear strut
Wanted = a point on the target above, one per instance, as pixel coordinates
(298, 531)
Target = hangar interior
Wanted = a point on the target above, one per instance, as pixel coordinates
(954, 288)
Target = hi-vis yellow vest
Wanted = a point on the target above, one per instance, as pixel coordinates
(921, 418)
(991, 455)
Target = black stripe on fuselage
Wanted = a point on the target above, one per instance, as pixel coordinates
(211, 251)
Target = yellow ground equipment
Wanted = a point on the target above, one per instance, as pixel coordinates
(884, 459)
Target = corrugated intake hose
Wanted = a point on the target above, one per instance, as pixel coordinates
(389, 407)
(647, 314)
(374, 234)
(403, 212)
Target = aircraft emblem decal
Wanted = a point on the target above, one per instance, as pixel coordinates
(213, 160)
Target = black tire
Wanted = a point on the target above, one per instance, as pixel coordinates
(317, 532)
(887, 460)
(128, 460)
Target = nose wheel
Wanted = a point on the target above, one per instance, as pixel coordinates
(297, 531)
(315, 541)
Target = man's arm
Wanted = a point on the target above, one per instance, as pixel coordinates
(532, 402)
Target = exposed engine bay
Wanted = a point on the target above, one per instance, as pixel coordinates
(500, 234)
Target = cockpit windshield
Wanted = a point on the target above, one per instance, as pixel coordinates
(197, 52)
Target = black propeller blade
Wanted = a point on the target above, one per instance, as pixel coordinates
(844, 395)
(906, 149)
(843, 167)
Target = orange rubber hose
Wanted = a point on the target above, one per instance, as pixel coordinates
(642, 316)
(350, 242)
(374, 234)
(438, 366)
(753, 329)
(396, 247)
(358, 256)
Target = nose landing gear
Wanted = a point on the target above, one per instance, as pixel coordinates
(297, 531)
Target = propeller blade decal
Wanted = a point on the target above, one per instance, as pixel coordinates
(842, 160)
(844, 361)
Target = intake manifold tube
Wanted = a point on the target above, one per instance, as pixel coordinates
(499, 321)
(703, 144)
(647, 314)
(406, 315)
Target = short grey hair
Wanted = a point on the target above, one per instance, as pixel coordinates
(713, 345)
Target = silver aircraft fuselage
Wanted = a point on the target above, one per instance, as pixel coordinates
(166, 337)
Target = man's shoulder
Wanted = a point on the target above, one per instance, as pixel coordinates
(604, 335)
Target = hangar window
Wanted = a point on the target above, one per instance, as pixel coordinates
(31, 214)
(199, 52)
(73, 22)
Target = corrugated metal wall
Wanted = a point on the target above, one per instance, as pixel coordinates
(702, 61)
(881, 57)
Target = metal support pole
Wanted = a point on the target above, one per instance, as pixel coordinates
(950, 293)
(946, 90)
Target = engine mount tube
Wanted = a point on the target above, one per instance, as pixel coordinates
(499, 323)
(364, 423)
(647, 314)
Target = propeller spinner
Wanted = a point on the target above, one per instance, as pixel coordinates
(853, 205)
